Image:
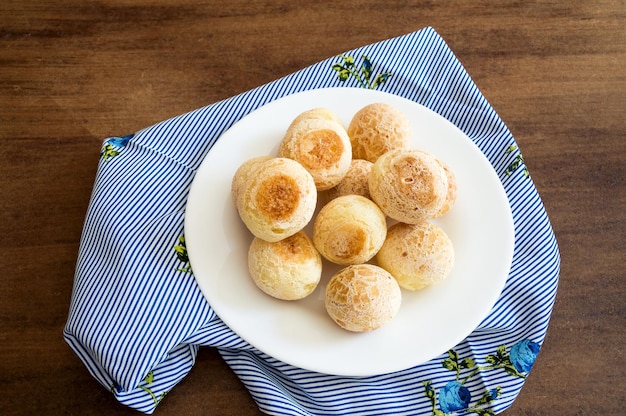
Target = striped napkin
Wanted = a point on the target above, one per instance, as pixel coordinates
(137, 316)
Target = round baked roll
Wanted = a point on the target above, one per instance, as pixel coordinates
(362, 297)
(349, 229)
(450, 200)
(355, 181)
(322, 146)
(275, 198)
(409, 185)
(417, 255)
(376, 129)
(288, 269)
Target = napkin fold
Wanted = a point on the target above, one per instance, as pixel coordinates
(137, 316)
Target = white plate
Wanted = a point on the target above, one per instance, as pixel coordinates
(300, 333)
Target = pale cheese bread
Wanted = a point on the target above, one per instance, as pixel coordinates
(349, 230)
(409, 185)
(376, 129)
(416, 255)
(355, 182)
(362, 297)
(289, 269)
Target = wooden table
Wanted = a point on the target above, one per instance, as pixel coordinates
(73, 73)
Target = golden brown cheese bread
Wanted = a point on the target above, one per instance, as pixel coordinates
(409, 185)
(349, 229)
(376, 129)
(417, 255)
(288, 269)
(355, 182)
(321, 145)
(275, 197)
(362, 297)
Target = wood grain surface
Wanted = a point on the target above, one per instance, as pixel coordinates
(75, 72)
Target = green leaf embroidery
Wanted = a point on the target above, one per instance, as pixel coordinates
(432, 396)
(149, 378)
(363, 73)
(381, 79)
(366, 67)
(448, 364)
(430, 392)
(501, 351)
(181, 253)
(108, 152)
(509, 369)
(516, 163)
(467, 363)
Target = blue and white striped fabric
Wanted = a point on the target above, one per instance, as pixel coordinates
(137, 317)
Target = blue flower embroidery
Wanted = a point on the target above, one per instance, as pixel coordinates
(523, 355)
(119, 141)
(113, 145)
(454, 396)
